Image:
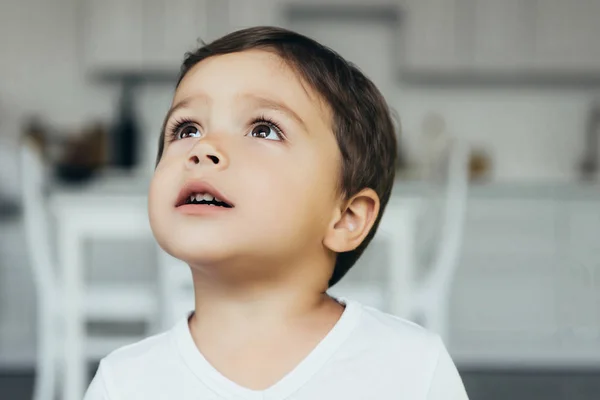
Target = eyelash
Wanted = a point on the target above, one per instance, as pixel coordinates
(263, 119)
(174, 129)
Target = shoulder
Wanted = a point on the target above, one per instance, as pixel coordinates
(141, 353)
(122, 371)
(394, 344)
(393, 331)
(395, 348)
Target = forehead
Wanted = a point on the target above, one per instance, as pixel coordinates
(257, 72)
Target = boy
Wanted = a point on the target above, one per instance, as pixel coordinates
(275, 164)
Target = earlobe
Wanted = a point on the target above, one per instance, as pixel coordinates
(353, 223)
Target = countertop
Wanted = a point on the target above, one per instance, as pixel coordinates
(559, 190)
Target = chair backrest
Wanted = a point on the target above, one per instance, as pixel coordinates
(450, 224)
(36, 220)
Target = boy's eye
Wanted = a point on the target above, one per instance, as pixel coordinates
(187, 130)
(264, 131)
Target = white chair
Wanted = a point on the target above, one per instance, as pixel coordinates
(435, 267)
(103, 302)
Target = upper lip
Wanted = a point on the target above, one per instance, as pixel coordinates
(198, 186)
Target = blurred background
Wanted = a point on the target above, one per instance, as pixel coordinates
(491, 238)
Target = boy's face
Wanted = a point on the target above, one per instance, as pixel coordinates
(282, 185)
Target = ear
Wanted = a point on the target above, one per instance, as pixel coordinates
(353, 222)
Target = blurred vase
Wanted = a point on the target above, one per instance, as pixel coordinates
(125, 133)
(590, 163)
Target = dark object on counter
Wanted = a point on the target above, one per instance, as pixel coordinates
(83, 156)
(73, 173)
(9, 209)
(480, 166)
(125, 133)
(589, 165)
(73, 157)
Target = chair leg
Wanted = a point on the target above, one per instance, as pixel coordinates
(437, 320)
(46, 361)
(430, 309)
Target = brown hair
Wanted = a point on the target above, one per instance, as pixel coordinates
(361, 122)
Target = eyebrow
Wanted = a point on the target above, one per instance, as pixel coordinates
(258, 101)
(182, 104)
(264, 102)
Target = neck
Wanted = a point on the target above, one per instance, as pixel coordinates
(261, 304)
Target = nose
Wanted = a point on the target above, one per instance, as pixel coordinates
(206, 154)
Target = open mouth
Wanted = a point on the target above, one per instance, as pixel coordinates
(206, 198)
(201, 193)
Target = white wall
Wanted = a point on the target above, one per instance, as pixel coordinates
(534, 133)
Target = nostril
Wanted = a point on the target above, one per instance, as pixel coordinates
(195, 159)
(214, 159)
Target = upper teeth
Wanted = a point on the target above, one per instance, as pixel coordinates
(203, 196)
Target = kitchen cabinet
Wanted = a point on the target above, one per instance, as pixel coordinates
(113, 34)
(154, 35)
(506, 279)
(141, 35)
(566, 35)
(245, 14)
(501, 39)
(490, 39)
(172, 28)
(435, 37)
(529, 277)
(580, 258)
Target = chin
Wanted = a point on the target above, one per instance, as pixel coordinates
(190, 240)
(197, 252)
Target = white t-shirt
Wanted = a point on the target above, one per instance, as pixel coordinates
(367, 355)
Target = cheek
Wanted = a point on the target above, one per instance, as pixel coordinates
(160, 195)
(316, 173)
(154, 202)
(293, 189)
(320, 180)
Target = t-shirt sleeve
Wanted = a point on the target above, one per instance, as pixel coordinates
(98, 387)
(446, 383)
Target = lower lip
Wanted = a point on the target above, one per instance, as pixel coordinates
(201, 209)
